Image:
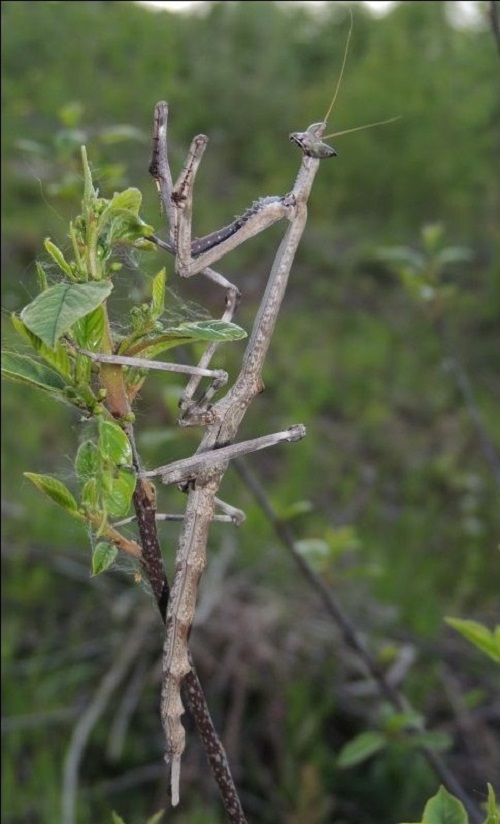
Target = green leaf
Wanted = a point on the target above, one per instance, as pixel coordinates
(43, 283)
(129, 200)
(493, 811)
(54, 311)
(126, 228)
(57, 357)
(122, 213)
(432, 236)
(114, 443)
(106, 488)
(155, 819)
(437, 741)
(454, 254)
(154, 347)
(90, 496)
(117, 819)
(402, 256)
(66, 141)
(117, 496)
(24, 369)
(361, 747)
(58, 257)
(55, 490)
(486, 640)
(397, 721)
(102, 557)
(444, 808)
(185, 333)
(70, 115)
(119, 133)
(90, 329)
(83, 371)
(314, 549)
(87, 460)
(89, 193)
(295, 510)
(158, 294)
(31, 146)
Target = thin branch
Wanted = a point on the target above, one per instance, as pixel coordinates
(350, 634)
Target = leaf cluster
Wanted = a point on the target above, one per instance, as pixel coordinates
(68, 327)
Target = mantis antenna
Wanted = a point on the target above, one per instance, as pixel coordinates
(344, 61)
(312, 141)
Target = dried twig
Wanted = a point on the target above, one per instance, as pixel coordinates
(351, 636)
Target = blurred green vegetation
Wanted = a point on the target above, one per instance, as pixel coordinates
(400, 490)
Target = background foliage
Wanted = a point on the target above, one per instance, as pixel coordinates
(402, 512)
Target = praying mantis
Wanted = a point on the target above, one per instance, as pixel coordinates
(200, 476)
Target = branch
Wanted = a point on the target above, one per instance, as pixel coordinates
(351, 636)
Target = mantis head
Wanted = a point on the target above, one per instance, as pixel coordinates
(310, 142)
